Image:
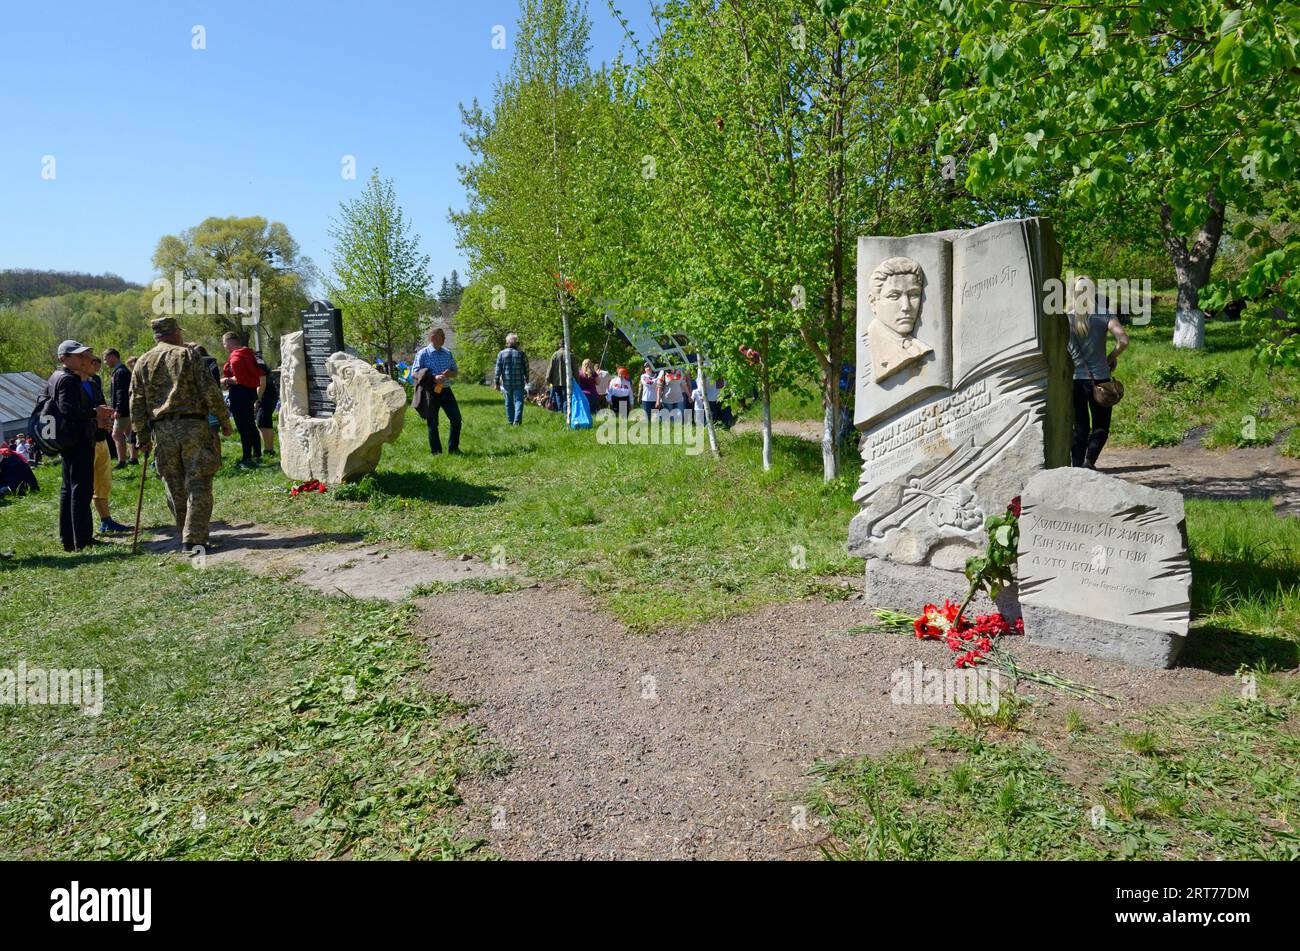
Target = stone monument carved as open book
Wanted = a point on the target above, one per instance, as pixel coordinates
(963, 392)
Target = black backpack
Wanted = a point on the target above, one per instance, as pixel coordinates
(46, 426)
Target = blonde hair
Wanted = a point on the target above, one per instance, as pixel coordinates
(1084, 292)
(588, 368)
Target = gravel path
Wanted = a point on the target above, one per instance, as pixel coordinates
(1201, 473)
(697, 743)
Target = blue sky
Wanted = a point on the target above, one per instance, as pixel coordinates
(150, 136)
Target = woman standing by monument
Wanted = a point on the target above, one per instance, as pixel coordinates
(1093, 401)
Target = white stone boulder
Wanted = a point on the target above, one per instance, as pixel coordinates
(369, 410)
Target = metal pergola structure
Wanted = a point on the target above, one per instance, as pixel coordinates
(661, 347)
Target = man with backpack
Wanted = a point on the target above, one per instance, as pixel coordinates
(65, 417)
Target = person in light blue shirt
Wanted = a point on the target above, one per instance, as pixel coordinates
(442, 368)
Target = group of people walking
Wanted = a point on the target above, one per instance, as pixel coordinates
(663, 392)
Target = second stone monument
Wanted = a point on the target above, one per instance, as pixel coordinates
(337, 412)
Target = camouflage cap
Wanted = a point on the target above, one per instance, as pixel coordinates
(165, 326)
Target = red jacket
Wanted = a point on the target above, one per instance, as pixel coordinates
(242, 365)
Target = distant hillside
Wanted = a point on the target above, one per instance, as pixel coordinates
(20, 284)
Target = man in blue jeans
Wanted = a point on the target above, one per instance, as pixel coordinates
(511, 377)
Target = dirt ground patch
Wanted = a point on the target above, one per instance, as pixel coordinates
(694, 743)
(332, 563)
(1201, 473)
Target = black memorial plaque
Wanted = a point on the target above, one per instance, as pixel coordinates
(322, 335)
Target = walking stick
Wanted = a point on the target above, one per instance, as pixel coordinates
(139, 503)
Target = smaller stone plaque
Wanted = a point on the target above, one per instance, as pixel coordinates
(322, 335)
(1103, 567)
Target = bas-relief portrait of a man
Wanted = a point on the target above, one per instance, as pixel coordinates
(895, 299)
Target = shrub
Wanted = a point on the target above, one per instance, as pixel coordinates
(361, 491)
(1208, 380)
(1168, 376)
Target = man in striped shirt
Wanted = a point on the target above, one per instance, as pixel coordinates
(511, 377)
(441, 365)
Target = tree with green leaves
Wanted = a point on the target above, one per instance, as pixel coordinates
(770, 142)
(521, 230)
(226, 251)
(379, 277)
(716, 186)
(30, 331)
(1186, 109)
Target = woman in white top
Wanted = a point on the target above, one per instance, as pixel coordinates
(649, 390)
(620, 392)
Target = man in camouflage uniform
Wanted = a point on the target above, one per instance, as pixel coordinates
(172, 394)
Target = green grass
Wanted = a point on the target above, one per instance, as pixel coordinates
(659, 536)
(231, 728)
(243, 717)
(1192, 782)
(1219, 394)
(791, 405)
(1207, 782)
(1245, 585)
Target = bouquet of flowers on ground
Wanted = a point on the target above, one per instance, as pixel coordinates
(311, 485)
(977, 643)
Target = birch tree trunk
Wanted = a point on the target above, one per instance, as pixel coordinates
(831, 434)
(767, 422)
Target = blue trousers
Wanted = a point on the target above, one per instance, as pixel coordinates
(514, 404)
